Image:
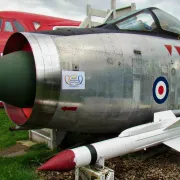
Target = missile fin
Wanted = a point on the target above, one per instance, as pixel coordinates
(174, 143)
(164, 115)
(174, 125)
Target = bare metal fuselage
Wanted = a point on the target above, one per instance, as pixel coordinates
(120, 71)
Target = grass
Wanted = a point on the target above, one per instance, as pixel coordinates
(22, 167)
(9, 138)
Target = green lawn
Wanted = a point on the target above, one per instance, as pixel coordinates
(22, 167)
(9, 138)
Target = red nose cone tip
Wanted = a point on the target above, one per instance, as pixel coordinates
(64, 161)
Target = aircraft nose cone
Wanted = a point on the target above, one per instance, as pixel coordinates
(18, 79)
(64, 161)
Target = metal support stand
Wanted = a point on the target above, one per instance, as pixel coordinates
(96, 172)
(52, 137)
(113, 7)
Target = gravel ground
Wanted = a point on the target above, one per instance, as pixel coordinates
(155, 164)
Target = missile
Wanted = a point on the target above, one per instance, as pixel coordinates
(163, 130)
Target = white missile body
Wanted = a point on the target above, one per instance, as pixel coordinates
(132, 140)
(165, 129)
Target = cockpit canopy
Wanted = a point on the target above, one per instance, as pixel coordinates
(148, 20)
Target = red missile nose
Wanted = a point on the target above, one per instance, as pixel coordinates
(64, 161)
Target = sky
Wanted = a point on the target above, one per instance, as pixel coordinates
(76, 9)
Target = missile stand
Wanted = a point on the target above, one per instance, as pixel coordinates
(95, 172)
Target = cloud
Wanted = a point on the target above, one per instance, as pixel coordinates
(172, 7)
(76, 9)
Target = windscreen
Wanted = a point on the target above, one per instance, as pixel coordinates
(167, 22)
(139, 22)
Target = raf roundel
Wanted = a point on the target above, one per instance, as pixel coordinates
(160, 90)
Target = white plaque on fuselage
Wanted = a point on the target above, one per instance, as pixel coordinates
(73, 80)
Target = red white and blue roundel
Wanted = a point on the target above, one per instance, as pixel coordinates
(160, 90)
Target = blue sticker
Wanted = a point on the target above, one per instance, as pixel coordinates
(160, 90)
